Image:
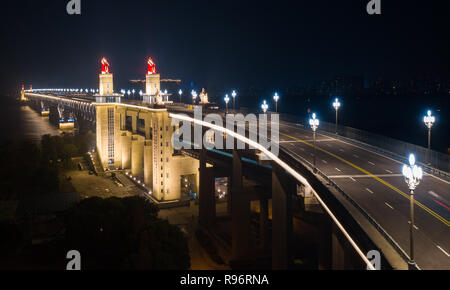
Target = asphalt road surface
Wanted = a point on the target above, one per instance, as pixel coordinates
(375, 182)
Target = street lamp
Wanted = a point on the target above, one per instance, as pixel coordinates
(275, 98)
(140, 93)
(226, 99)
(336, 106)
(194, 96)
(264, 106)
(429, 121)
(413, 175)
(233, 94)
(180, 92)
(314, 123)
(129, 92)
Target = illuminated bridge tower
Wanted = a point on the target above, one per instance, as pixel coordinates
(22, 94)
(107, 121)
(138, 139)
(152, 84)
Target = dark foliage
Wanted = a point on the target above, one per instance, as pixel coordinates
(125, 233)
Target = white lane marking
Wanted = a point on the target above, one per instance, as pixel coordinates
(302, 149)
(433, 193)
(342, 150)
(356, 155)
(387, 170)
(416, 227)
(337, 169)
(439, 247)
(328, 145)
(324, 161)
(371, 163)
(369, 190)
(389, 205)
(365, 176)
(352, 178)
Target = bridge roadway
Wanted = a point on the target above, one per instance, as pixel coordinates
(376, 184)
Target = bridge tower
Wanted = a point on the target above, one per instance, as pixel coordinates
(152, 84)
(107, 119)
(22, 94)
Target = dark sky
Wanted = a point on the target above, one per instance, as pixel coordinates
(267, 44)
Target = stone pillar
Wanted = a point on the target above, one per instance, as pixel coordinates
(240, 215)
(282, 190)
(137, 155)
(207, 201)
(148, 163)
(126, 151)
(325, 243)
(134, 117)
(264, 222)
(341, 255)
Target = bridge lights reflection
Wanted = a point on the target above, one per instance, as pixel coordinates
(276, 97)
(264, 106)
(226, 99)
(314, 123)
(429, 121)
(413, 174)
(336, 105)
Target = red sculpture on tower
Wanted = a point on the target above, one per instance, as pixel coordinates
(105, 66)
(151, 66)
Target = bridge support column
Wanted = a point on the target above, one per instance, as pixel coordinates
(240, 215)
(126, 150)
(325, 243)
(264, 221)
(340, 252)
(207, 202)
(137, 155)
(282, 190)
(148, 162)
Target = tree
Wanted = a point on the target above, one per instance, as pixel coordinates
(125, 233)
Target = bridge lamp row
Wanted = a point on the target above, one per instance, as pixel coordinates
(264, 106)
(336, 104)
(429, 120)
(314, 122)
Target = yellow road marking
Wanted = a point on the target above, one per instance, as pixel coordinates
(444, 221)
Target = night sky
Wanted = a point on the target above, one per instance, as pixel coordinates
(266, 44)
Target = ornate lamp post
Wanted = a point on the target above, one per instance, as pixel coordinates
(413, 175)
(336, 106)
(180, 92)
(429, 121)
(233, 94)
(275, 98)
(226, 99)
(194, 96)
(314, 123)
(264, 106)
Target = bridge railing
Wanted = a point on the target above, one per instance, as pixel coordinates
(288, 169)
(366, 215)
